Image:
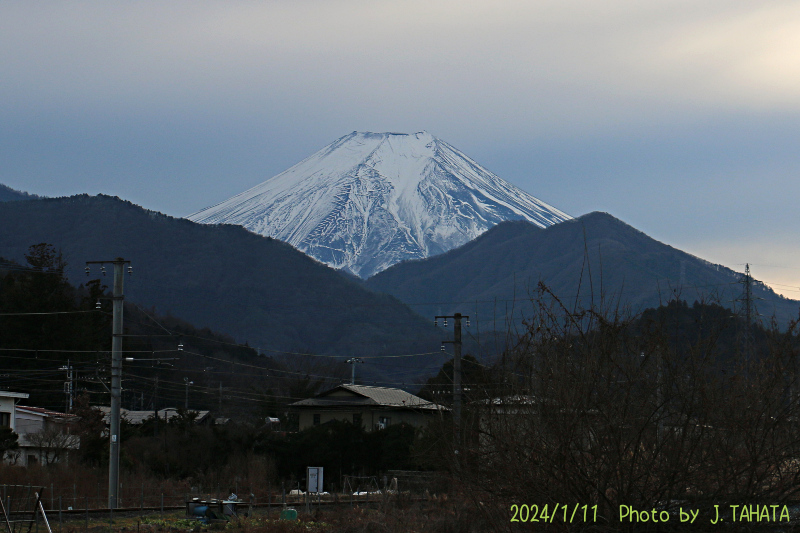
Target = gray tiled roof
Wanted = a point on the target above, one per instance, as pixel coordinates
(364, 395)
(45, 412)
(138, 417)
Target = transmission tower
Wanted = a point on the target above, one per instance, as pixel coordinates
(749, 312)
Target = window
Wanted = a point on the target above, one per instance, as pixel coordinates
(357, 419)
(5, 420)
(383, 422)
(316, 419)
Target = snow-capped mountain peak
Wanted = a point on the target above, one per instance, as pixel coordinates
(370, 200)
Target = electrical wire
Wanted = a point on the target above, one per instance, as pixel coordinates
(49, 313)
(289, 374)
(281, 352)
(50, 350)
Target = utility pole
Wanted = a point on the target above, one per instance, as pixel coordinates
(68, 385)
(157, 362)
(116, 376)
(456, 342)
(155, 408)
(187, 382)
(353, 361)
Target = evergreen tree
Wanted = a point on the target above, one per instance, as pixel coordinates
(9, 442)
(44, 328)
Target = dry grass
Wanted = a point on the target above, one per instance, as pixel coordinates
(432, 516)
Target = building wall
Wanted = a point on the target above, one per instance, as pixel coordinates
(29, 423)
(7, 408)
(370, 418)
(8, 417)
(30, 455)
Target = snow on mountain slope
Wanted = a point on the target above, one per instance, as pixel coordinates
(370, 200)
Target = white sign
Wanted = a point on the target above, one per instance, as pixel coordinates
(314, 476)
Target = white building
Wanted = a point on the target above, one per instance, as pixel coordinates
(8, 404)
(8, 411)
(44, 435)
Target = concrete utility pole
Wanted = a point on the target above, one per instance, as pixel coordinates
(456, 342)
(116, 377)
(68, 385)
(186, 380)
(352, 361)
(155, 408)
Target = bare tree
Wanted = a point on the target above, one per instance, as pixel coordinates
(53, 442)
(603, 409)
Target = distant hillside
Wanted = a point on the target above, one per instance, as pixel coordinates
(7, 194)
(580, 260)
(47, 324)
(254, 288)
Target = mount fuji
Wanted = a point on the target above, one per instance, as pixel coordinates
(370, 200)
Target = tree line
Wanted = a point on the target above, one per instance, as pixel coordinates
(677, 406)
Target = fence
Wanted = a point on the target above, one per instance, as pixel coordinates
(22, 508)
(55, 498)
(85, 500)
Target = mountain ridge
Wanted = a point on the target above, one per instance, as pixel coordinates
(592, 259)
(7, 194)
(254, 288)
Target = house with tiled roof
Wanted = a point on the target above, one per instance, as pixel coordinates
(371, 407)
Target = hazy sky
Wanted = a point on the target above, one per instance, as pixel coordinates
(682, 118)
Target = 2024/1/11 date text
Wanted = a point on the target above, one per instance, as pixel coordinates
(563, 513)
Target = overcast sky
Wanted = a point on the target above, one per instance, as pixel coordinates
(678, 117)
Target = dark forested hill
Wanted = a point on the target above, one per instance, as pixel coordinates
(52, 333)
(593, 259)
(254, 288)
(7, 194)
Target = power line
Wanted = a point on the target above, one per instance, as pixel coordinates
(52, 350)
(260, 350)
(14, 267)
(49, 313)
